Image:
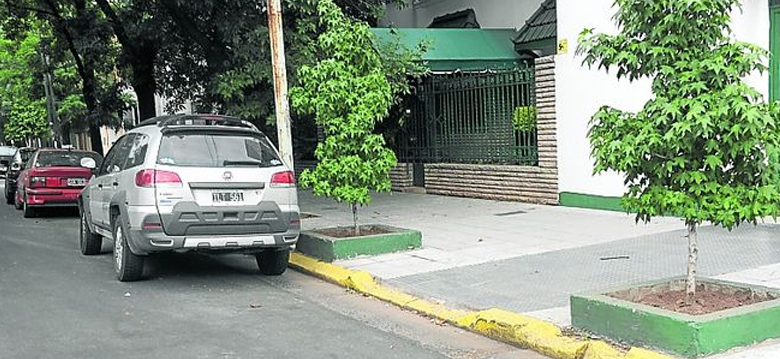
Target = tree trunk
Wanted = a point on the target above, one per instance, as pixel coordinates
(355, 219)
(693, 258)
(145, 86)
(90, 100)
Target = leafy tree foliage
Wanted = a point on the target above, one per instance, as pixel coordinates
(22, 110)
(218, 54)
(81, 37)
(215, 53)
(27, 122)
(705, 147)
(348, 92)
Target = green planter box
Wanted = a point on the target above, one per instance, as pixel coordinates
(686, 335)
(328, 248)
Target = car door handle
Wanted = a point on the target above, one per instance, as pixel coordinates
(115, 184)
(100, 186)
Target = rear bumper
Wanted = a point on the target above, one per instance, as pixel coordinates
(226, 237)
(52, 197)
(147, 242)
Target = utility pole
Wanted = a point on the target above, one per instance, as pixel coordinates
(283, 122)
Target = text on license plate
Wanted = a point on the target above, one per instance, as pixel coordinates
(76, 181)
(231, 196)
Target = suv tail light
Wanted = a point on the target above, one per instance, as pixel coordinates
(283, 179)
(152, 178)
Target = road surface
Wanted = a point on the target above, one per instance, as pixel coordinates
(56, 303)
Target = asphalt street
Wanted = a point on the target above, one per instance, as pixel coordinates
(56, 303)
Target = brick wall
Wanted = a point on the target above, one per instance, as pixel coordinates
(507, 183)
(401, 176)
(535, 184)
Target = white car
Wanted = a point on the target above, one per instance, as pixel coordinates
(191, 183)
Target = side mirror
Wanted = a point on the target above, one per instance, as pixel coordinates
(88, 162)
(16, 167)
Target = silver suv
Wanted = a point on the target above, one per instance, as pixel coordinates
(191, 183)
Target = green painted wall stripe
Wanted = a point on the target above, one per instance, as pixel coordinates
(581, 200)
(774, 48)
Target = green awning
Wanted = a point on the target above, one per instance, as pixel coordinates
(459, 49)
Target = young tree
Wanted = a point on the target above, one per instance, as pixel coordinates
(27, 122)
(348, 93)
(705, 147)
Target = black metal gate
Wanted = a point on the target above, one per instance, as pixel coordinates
(467, 118)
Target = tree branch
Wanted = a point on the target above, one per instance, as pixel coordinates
(213, 49)
(27, 8)
(60, 23)
(116, 23)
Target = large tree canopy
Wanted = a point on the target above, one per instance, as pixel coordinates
(214, 53)
(78, 36)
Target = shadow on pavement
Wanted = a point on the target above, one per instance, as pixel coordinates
(178, 265)
(57, 213)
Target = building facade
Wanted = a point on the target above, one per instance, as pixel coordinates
(566, 93)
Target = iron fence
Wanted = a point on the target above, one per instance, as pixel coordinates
(467, 118)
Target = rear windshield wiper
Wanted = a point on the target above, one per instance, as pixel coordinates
(245, 163)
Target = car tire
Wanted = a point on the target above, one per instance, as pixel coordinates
(9, 197)
(29, 212)
(128, 266)
(90, 243)
(273, 262)
(17, 203)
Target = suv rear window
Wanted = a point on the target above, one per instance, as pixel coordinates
(7, 151)
(216, 150)
(64, 159)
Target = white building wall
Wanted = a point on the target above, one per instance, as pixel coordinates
(581, 91)
(161, 102)
(490, 13)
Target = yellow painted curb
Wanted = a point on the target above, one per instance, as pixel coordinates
(601, 350)
(513, 328)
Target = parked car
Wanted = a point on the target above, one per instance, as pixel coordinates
(16, 165)
(192, 183)
(6, 153)
(54, 178)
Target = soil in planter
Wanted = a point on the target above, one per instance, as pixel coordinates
(348, 232)
(708, 299)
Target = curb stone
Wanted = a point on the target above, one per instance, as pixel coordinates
(524, 331)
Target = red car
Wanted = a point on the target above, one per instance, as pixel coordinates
(54, 178)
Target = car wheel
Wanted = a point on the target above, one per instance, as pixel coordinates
(17, 202)
(128, 266)
(90, 242)
(9, 197)
(273, 262)
(29, 212)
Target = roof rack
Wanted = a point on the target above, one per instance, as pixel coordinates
(197, 120)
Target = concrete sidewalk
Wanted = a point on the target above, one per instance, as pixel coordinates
(529, 258)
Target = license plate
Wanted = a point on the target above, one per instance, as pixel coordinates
(227, 196)
(76, 182)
